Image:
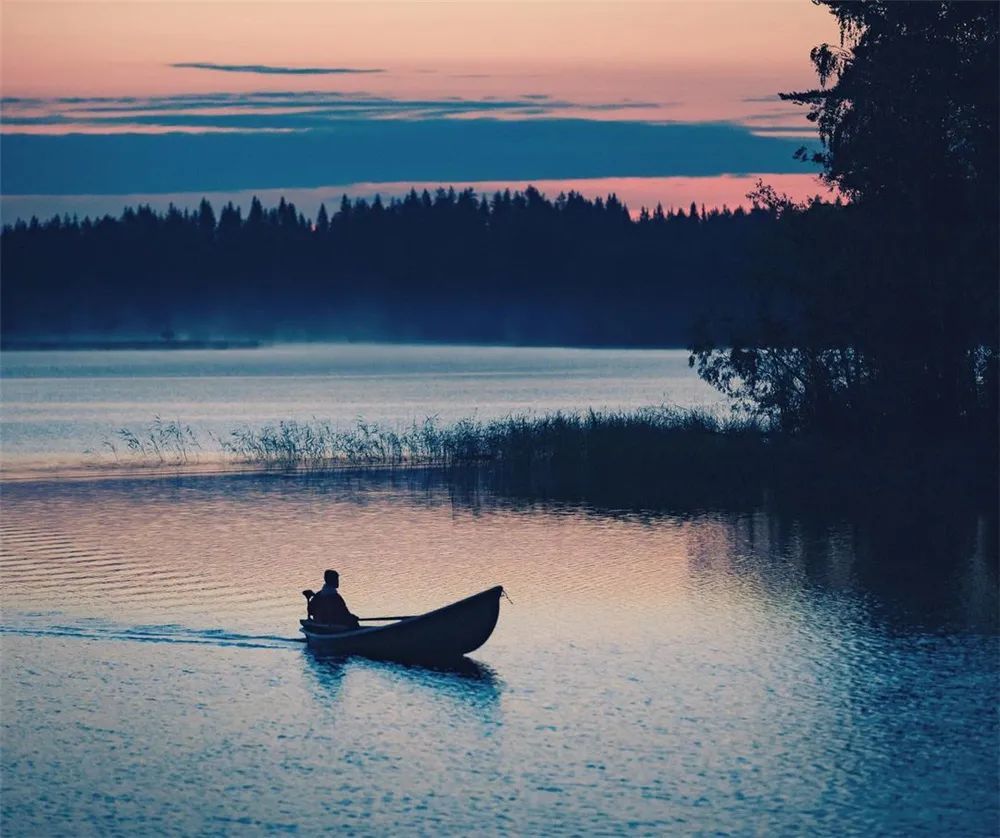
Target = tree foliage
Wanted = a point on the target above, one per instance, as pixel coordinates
(889, 319)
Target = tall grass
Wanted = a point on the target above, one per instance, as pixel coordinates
(658, 457)
(595, 437)
(161, 442)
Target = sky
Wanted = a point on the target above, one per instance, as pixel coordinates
(108, 103)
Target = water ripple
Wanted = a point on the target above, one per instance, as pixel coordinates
(713, 674)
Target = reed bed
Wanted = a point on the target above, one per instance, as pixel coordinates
(648, 457)
(656, 457)
(593, 436)
(162, 442)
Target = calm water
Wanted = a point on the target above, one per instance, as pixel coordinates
(57, 405)
(704, 672)
(711, 673)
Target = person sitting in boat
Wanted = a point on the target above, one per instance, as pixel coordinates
(328, 605)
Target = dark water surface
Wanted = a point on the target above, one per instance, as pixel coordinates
(741, 673)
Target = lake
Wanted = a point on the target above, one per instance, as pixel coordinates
(707, 671)
(57, 406)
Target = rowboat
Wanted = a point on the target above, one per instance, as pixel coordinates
(444, 634)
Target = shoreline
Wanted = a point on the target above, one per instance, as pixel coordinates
(82, 473)
(684, 469)
(665, 458)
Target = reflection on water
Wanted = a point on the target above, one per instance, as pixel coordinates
(748, 671)
(461, 671)
(466, 681)
(57, 405)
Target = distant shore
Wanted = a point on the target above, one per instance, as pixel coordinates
(64, 345)
(72, 344)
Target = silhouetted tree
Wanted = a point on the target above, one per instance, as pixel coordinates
(256, 215)
(888, 312)
(206, 219)
(322, 220)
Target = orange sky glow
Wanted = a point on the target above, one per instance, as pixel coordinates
(701, 55)
(101, 68)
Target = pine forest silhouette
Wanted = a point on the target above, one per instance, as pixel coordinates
(513, 267)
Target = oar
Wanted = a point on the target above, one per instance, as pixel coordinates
(308, 594)
(377, 619)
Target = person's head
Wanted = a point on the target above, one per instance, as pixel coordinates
(332, 578)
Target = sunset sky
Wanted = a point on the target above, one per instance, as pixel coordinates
(107, 103)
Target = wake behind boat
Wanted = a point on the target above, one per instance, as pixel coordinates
(443, 634)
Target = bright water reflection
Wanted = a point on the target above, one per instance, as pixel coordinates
(56, 405)
(707, 672)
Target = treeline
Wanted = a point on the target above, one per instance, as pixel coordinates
(452, 266)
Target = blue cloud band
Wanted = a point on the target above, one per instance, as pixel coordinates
(358, 150)
(277, 110)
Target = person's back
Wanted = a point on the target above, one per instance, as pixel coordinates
(328, 605)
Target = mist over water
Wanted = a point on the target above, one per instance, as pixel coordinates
(706, 672)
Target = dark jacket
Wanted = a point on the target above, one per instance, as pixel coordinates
(329, 607)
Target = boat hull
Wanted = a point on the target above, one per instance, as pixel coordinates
(444, 634)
